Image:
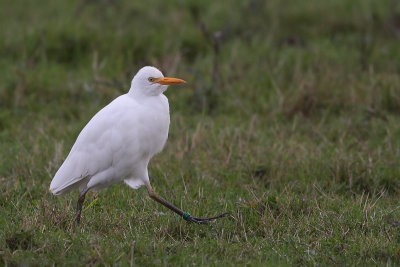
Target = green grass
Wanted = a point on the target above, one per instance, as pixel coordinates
(300, 141)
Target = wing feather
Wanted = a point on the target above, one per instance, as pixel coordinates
(91, 153)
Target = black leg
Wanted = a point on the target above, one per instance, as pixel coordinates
(79, 205)
(180, 212)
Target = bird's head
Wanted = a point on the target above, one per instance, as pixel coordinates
(149, 81)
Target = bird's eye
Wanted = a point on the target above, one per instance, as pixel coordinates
(151, 79)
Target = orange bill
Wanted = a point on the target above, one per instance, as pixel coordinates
(169, 81)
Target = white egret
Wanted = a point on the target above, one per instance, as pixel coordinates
(119, 141)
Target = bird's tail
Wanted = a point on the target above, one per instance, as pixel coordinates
(67, 178)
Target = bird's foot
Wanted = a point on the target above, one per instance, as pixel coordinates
(189, 218)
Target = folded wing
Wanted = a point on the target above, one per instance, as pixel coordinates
(91, 153)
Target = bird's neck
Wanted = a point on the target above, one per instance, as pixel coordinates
(142, 98)
(138, 93)
(146, 98)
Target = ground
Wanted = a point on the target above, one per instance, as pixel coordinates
(290, 121)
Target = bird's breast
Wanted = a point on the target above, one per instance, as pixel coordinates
(153, 126)
(157, 127)
(138, 134)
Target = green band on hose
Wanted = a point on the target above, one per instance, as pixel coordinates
(186, 216)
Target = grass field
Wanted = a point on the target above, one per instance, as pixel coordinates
(290, 121)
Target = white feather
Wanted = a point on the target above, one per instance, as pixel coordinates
(119, 140)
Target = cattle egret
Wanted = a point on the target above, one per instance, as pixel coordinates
(119, 141)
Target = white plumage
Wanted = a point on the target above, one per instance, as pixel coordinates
(118, 142)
